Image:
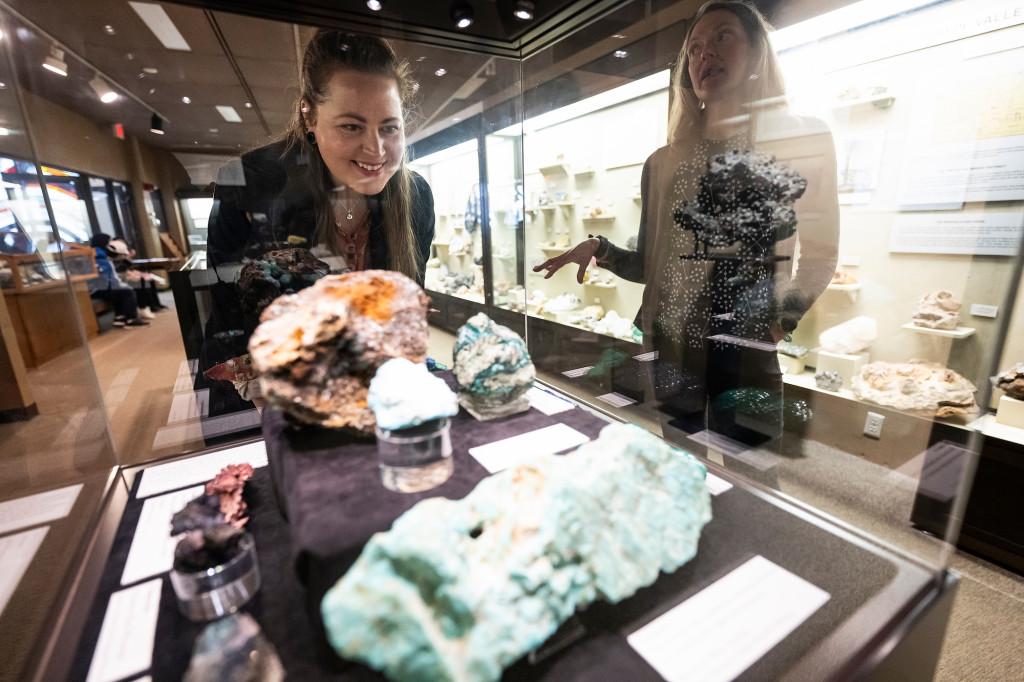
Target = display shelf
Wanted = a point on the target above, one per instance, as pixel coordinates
(600, 285)
(844, 287)
(566, 204)
(598, 219)
(882, 101)
(583, 172)
(988, 425)
(958, 333)
(554, 169)
(554, 249)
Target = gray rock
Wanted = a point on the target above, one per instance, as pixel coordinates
(234, 649)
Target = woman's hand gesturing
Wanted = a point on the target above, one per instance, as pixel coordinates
(581, 254)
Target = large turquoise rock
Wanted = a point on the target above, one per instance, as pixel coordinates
(458, 590)
(492, 365)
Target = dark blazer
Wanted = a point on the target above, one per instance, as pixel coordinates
(263, 199)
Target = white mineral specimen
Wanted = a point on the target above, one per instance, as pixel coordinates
(849, 337)
(458, 590)
(404, 394)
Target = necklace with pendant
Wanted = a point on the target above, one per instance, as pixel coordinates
(354, 243)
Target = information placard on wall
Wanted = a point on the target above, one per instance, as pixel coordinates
(976, 234)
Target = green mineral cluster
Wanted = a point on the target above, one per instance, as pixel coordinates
(458, 590)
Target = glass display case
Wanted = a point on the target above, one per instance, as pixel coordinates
(810, 299)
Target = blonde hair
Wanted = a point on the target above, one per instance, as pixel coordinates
(686, 117)
(328, 52)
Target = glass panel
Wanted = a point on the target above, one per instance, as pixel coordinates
(109, 223)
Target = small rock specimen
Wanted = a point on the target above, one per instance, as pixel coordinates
(275, 273)
(234, 649)
(317, 350)
(926, 388)
(828, 381)
(791, 349)
(404, 394)
(849, 337)
(938, 310)
(458, 590)
(492, 366)
(1011, 381)
(213, 522)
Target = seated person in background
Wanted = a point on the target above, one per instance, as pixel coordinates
(144, 283)
(107, 286)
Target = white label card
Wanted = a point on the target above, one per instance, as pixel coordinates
(509, 452)
(616, 399)
(164, 477)
(547, 402)
(125, 645)
(716, 485)
(16, 552)
(722, 630)
(40, 508)
(152, 549)
(578, 372)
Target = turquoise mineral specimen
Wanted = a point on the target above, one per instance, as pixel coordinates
(404, 393)
(492, 365)
(458, 590)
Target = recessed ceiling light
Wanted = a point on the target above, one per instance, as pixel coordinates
(375, 5)
(5, 131)
(152, 90)
(621, 54)
(420, 59)
(229, 114)
(524, 10)
(186, 99)
(102, 90)
(150, 70)
(213, 130)
(3, 85)
(109, 30)
(619, 36)
(156, 18)
(440, 72)
(156, 125)
(248, 105)
(456, 118)
(55, 62)
(462, 14)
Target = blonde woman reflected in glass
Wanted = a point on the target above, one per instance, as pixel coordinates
(333, 194)
(738, 233)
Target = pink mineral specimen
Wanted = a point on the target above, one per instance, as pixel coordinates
(317, 350)
(228, 484)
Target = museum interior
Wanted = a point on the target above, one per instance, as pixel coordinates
(647, 401)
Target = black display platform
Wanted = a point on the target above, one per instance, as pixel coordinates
(330, 487)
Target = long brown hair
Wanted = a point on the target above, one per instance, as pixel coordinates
(326, 53)
(686, 117)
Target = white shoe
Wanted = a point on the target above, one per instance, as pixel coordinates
(146, 313)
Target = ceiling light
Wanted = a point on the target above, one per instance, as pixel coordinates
(102, 90)
(462, 14)
(150, 70)
(155, 17)
(524, 10)
(186, 99)
(621, 54)
(55, 62)
(229, 114)
(156, 125)
(5, 131)
(440, 72)
(375, 5)
(109, 30)
(248, 105)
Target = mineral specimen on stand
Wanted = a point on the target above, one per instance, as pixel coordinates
(458, 590)
(938, 310)
(234, 649)
(493, 369)
(828, 380)
(849, 337)
(212, 523)
(1011, 381)
(317, 350)
(285, 271)
(404, 394)
(792, 349)
(924, 387)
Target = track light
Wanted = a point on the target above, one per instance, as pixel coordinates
(375, 5)
(156, 125)
(524, 10)
(55, 62)
(102, 90)
(462, 14)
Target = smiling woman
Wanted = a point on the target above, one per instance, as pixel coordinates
(337, 181)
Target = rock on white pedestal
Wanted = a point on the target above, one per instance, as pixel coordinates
(1010, 412)
(846, 366)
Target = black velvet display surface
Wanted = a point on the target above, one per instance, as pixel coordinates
(321, 498)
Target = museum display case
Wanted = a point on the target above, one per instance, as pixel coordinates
(837, 434)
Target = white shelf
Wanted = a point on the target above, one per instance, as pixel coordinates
(598, 218)
(844, 287)
(568, 204)
(882, 101)
(554, 169)
(599, 285)
(583, 171)
(554, 249)
(547, 207)
(958, 333)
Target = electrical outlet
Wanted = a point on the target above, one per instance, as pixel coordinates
(873, 425)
